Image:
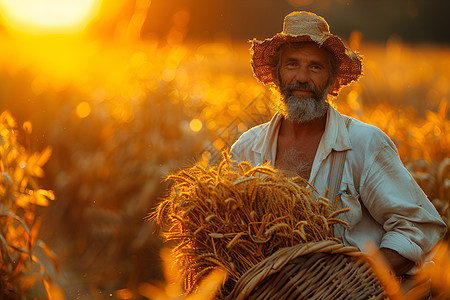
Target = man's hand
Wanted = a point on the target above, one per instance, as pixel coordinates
(398, 263)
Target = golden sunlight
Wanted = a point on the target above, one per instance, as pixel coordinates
(48, 16)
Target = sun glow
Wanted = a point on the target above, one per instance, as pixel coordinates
(48, 16)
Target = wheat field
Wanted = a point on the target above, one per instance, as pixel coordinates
(119, 117)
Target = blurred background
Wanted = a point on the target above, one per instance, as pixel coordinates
(125, 92)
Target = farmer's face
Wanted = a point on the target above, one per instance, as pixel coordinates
(307, 67)
(304, 76)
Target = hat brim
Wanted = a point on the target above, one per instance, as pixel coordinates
(349, 66)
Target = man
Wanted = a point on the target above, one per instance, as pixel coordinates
(306, 64)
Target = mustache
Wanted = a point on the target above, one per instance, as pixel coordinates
(301, 85)
(287, 90)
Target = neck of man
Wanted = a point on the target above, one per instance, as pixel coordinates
(303, 131)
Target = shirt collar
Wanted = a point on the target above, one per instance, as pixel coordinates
(335, 137)
(266, 141)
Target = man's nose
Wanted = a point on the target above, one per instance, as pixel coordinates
(301, 75)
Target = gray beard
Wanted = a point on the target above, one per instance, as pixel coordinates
(304, 110)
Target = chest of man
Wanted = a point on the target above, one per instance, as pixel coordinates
(296, 156)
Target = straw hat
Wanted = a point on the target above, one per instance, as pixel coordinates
(305, 26)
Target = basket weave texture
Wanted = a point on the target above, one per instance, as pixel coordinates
(316, 270)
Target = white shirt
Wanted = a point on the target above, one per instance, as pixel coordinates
(387, 206)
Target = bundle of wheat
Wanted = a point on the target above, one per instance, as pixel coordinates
(233, 216)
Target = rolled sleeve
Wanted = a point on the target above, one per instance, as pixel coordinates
(403, 245)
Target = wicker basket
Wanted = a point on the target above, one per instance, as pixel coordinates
(319, 270)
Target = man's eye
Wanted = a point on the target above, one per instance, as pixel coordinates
(316, 67)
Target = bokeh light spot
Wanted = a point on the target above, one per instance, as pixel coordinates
(219, 144)
(195, 125)
(212, 125)
(168, 75)
(83, 110)
(27, 127)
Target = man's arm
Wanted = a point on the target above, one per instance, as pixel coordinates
(393, 198)
(399, 264)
